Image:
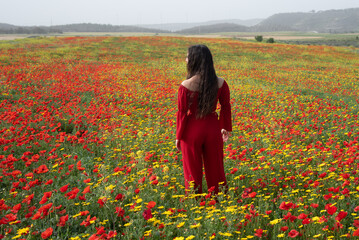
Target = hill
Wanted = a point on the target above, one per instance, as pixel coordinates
(5, 26)
(181, 26)
(81, 27)
(90, 27)
(220, 27)
(331, 21)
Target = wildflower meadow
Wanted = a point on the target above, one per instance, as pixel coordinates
(87, 141)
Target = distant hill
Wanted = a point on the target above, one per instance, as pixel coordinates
(174, 27)
(5, 26)
(90, 27)
(219, 27)
(331, 21)
(12, 29)
(81, 27)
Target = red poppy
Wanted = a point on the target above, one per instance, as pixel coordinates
(283, 229)
(120, 212)
(302, 216)
(49, 182)
(341, 215)
(119, 196)
(259, 233)
(285, 205)
(47, 233)
(306, 221)
(314, 205)
(64, 188)
(323, 175)
(94, 237)
(328, 196)
(102, 201)
(86, 190)
(88, 221)
(293, 233)
(151, 204)
(147, 214)
(46, 196)
(16, 208)
(252, 194)
(63, 220)
(41, 169)
(212, 202)
(331, 209)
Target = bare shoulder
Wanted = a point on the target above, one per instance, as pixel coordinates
(185, 83)
(191, 84)
(220, 82)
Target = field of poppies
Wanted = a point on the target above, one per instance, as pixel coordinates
(87, 133)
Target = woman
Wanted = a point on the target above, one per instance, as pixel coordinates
(200, 134)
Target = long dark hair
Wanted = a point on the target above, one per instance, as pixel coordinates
(200, 62)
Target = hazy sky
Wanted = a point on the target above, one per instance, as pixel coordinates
(132, 12)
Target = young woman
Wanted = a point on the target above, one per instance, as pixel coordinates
(200, 133)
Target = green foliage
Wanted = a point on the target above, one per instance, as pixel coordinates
(270, 40)
(259, 38)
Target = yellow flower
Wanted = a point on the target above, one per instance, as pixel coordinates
(180, 224)
(190, 237)
(225, 234)
(178, 238)
(195, 225)
(110, 187)
(147, 233)
(75, 238)
(280, 235)
(167, 213)
(275, 221)
(23, 230)
(128, 224)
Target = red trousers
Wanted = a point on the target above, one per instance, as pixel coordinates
(202, 145)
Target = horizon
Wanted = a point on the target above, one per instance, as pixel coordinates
(42, 13)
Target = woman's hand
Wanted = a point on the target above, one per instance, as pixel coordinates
(178, 145)
(225, 135)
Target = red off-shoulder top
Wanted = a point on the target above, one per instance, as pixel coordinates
(187, 104)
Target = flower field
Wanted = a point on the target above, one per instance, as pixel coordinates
(87, 141)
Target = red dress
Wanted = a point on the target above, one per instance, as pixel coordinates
(201, 139)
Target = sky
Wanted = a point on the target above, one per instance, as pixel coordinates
(137, 12)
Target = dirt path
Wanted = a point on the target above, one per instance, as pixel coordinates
(10, 37)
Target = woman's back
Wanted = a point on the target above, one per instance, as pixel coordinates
(190, 86)
(193, 83)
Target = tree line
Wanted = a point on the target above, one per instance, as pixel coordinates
(30, 30)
